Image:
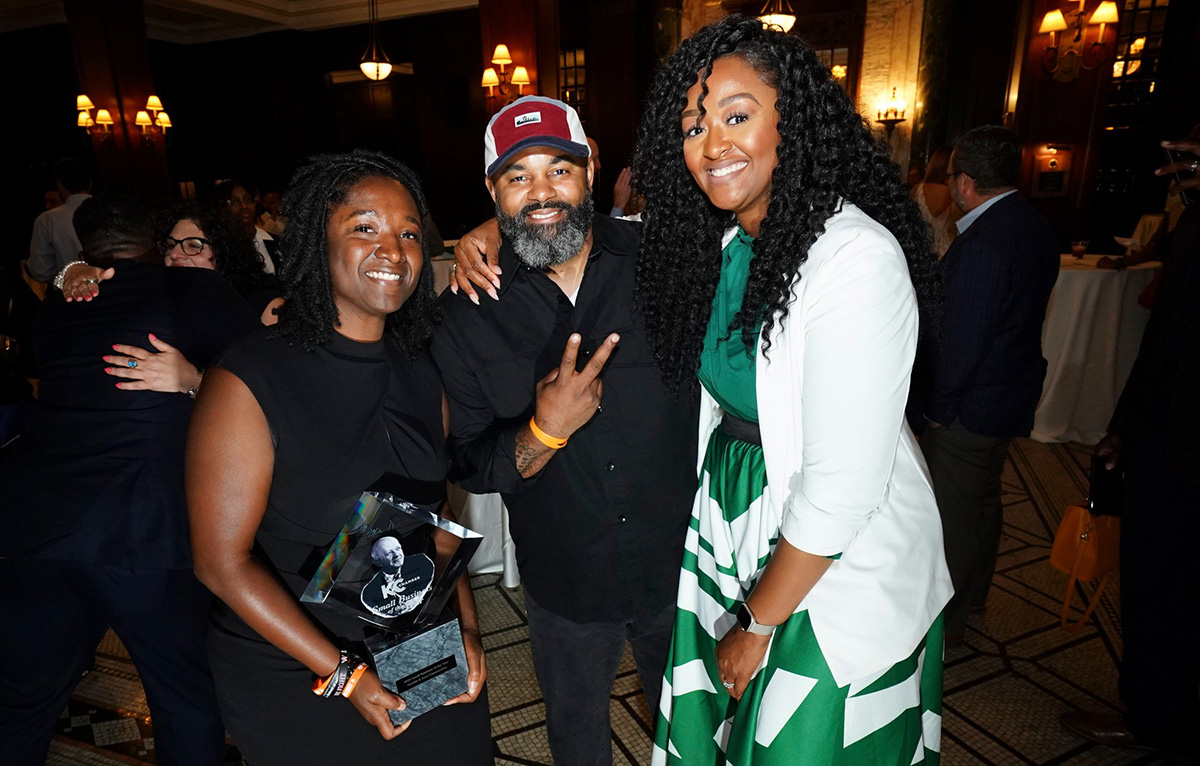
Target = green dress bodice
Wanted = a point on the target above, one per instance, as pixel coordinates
(727, 364)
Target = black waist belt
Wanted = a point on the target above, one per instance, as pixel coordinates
(743, 430)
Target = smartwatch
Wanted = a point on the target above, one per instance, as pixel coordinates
(746, 619)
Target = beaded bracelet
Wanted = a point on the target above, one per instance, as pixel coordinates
(61, 276)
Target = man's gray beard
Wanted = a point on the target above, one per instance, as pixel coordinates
(542, 246)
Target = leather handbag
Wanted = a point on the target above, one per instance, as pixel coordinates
(1086, 547)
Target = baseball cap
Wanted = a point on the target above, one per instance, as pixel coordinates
(532, 121)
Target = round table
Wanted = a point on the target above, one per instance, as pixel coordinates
(1090, 339)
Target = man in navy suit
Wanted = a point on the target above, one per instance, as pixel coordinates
(989, 369)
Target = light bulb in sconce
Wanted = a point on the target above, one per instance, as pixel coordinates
(1053, 23)
(520, 78)
(490, 80)
(163, 120)
(154, 104)
(1105, 14)
(143, 120)
(82, 103)
(103, 118)
(85, 120)
(501, 57)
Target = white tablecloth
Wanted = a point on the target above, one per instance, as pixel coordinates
(487, 515)
(1090, 340)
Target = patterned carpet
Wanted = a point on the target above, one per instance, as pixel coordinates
(1006, 684)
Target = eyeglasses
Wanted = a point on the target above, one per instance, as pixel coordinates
(189, 245)
(239, 201)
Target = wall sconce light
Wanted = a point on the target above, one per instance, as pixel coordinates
(103, 121)
(100, 125)
(1065, 61)
(375, 63)
(84, 120)
(503, 81)
(777, 14)
(890, 113)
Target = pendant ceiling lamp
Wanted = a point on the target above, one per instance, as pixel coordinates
(375, 64)
(777, 14)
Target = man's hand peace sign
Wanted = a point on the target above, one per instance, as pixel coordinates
(567, 399)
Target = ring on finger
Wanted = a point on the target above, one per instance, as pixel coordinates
(728, 684)
(91, 281)
(1195, 165)
(131, 363)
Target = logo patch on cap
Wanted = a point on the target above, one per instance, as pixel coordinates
(529, 118)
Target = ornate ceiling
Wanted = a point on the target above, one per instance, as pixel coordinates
(197, 21)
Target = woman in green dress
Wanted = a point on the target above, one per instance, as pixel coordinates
(785, 266)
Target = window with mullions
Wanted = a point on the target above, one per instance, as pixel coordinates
(572, 80)
(1135, 66)
(838, 61)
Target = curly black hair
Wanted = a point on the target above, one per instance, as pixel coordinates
(234, 256)
(309, 314)
(827, 155)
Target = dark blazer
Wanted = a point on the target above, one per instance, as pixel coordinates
(1159, 406)
(98, 473)
(997, 277)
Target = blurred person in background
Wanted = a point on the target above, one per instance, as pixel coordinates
(93, 527)
(1152, 440)
(54, 243)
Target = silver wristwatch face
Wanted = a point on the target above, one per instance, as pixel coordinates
(746, 619)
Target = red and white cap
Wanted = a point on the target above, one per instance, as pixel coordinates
(532, 121)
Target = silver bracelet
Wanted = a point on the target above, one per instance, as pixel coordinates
(62, 275)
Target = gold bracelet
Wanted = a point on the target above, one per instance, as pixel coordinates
(553, 442)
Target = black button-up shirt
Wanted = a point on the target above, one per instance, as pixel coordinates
(599, 531)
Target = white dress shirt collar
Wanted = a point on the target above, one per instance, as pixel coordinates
(969, 218)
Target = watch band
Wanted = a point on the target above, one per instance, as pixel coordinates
(746, 619)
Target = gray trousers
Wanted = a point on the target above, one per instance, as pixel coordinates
(966, 469)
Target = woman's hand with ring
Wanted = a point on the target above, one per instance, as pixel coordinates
(738, 656)
(82, 282)
(165, 369)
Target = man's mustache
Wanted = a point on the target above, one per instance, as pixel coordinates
(534, 207)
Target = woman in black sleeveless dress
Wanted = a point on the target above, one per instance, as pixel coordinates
(291, 425)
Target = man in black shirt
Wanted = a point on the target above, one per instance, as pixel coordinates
(595, 460)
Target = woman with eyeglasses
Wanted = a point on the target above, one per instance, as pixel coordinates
(191, 235)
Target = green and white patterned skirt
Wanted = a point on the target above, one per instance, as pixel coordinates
(792, 712)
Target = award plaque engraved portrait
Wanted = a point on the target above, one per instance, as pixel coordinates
(394, 566)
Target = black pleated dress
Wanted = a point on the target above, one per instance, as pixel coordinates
(341, 417)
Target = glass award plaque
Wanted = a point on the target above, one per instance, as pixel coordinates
(394, 567)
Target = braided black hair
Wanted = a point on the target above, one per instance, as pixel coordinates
(826, 155)
(309, 315)
(234, 256)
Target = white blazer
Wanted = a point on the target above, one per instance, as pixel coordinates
(844, 474)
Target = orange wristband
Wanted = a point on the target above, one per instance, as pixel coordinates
(553, 442)
(354, 677)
